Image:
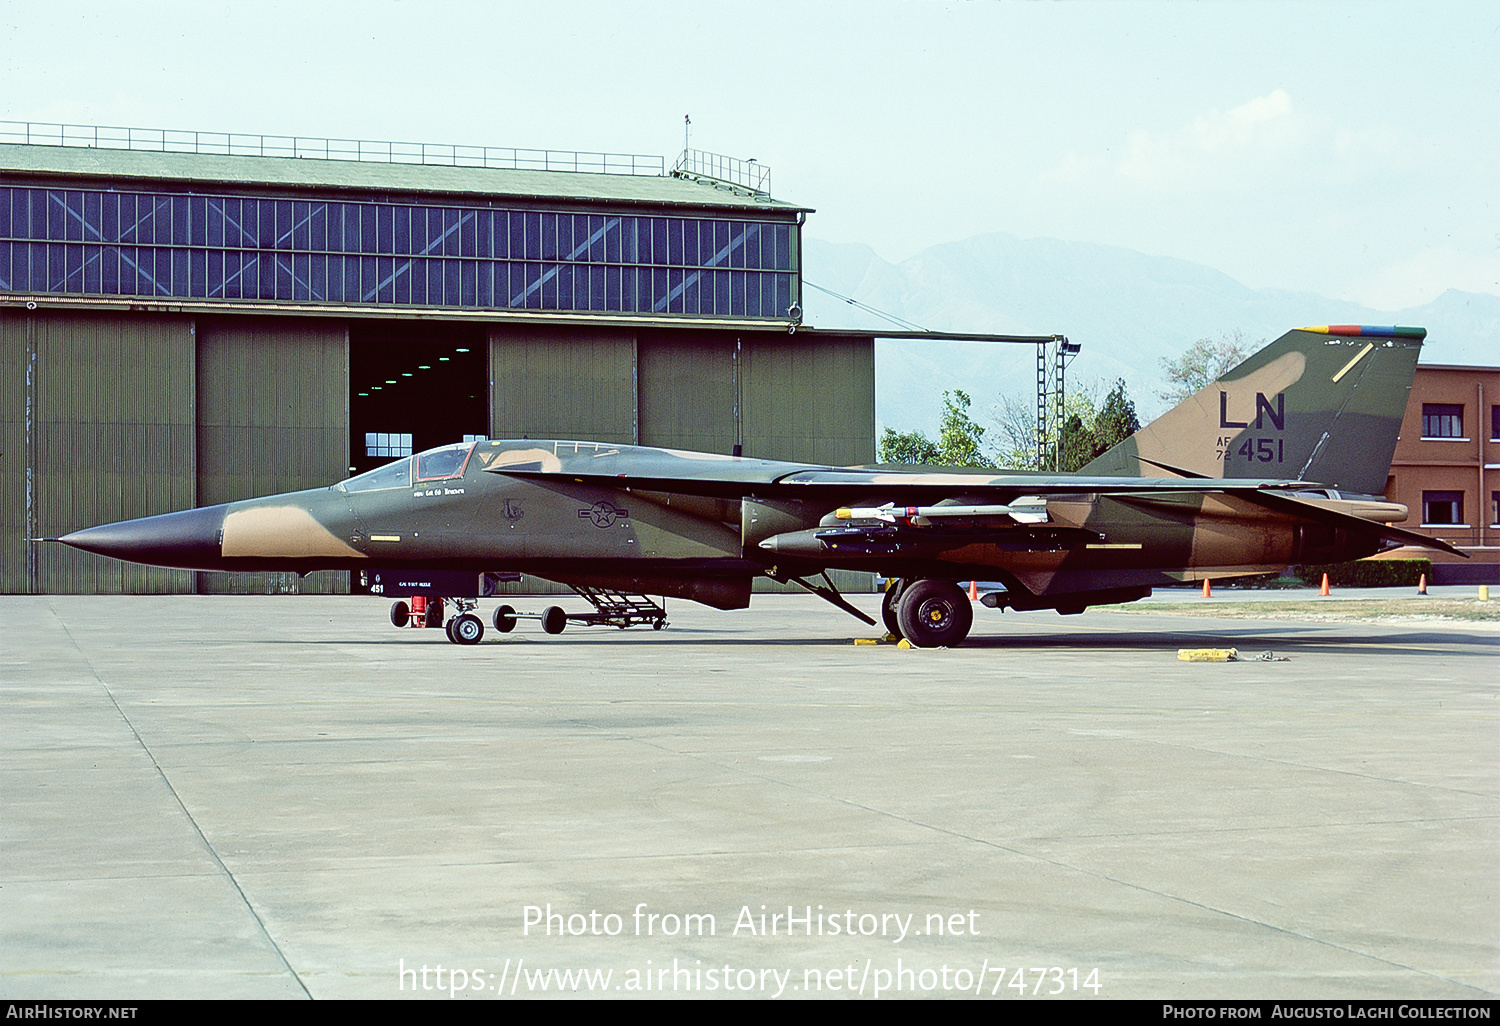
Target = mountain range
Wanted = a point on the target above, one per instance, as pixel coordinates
(1128, 310)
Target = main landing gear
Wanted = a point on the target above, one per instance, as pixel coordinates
(928, 613)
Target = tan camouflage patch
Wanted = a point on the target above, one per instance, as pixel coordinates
(283, 532)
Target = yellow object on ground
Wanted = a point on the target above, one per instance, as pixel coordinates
(1207, 655)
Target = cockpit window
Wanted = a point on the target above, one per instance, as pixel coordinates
(392, 475)
(448, 461)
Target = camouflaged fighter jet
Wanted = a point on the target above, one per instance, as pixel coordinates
(1279, 462)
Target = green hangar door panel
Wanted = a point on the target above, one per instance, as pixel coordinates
(112, 439)
(813, 403)
(272, 417)
(687, 388)
(577, 384)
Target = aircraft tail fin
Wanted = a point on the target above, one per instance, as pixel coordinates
(1319, 404)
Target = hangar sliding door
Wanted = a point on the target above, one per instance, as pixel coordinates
(687, 388)
(576, 384)
(811, 403)
(272, 417)
(98, 427)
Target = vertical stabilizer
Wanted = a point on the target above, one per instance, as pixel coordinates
(1319, 404)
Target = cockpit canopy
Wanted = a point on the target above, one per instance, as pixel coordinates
(440, 464)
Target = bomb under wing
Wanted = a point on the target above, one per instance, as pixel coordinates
(1279, 462)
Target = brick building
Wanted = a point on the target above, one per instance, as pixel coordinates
(1446, 469)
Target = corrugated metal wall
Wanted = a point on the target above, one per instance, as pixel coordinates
(111, 438)
(273, 416)
(809, 403)
(563, 383)
(15, 367)
(687, 389)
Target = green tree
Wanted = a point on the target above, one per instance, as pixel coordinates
(960, 440)
(1204, 362)
(907, 447)
(1090, 427)
(1088, 434)
(1077, 441)
(1117, 420)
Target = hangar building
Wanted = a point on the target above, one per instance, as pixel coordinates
(187, 320)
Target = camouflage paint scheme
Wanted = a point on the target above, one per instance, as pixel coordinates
(1279, 462)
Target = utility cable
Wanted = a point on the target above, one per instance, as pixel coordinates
(909, 325)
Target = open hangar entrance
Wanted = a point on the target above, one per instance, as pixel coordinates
(414, 385)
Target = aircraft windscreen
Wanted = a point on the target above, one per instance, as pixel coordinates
(448, 461)
(392, 475)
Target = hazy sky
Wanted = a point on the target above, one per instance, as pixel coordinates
(1346, 149)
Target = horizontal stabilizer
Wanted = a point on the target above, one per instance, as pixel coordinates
(1334, 518)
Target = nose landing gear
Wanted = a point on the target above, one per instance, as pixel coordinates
(465, 629)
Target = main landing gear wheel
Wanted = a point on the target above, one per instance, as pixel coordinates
(466, 629)
(554, 619)
(890, 606)
(935, 613)
(400, 614)
(434, 613)
(505, 619)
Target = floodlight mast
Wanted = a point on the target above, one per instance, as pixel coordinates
(1051, 393)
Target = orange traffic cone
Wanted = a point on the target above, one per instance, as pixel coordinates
(1324, 590)
(1207, 591)
(1422, 585)
(973, 591)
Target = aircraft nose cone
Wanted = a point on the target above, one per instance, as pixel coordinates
(189, 539)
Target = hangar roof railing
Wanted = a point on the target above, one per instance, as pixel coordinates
(167, 140)
(360, 165)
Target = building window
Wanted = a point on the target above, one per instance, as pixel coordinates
(1495, 509)
(1442, 420)
(219, 247)
(1442, 509)
(380, 443)
(1495, 423)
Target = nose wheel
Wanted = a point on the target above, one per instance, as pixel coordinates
(465, 629)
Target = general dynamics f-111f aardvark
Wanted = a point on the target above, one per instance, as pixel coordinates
(1279, 462)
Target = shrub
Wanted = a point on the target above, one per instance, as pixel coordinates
(1367, 573)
